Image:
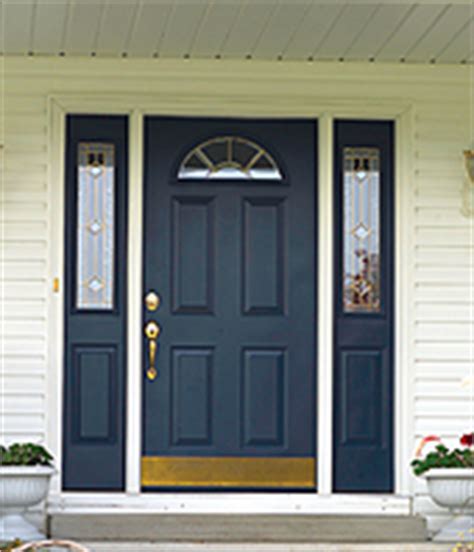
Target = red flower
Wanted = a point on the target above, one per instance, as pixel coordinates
(467, 440)
(424, 441)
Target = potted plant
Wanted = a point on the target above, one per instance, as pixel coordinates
(43, 546)
(449, 474)
(25, 472)
(50, 545)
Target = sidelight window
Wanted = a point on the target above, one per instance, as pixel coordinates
(361, 245)
(95, 226)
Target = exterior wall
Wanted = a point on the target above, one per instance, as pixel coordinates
(437, 240)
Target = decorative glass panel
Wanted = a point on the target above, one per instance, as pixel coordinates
(229, 157)
(95, 226)
(361, 248)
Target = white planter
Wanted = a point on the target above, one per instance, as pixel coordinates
(453, 488)
(21, 487)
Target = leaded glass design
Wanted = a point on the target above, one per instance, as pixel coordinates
(361, 241)
(95, 226)
(229, 157)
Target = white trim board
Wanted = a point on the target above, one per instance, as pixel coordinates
(325, 110)
(218, 503)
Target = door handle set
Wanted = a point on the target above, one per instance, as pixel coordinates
(152, 333)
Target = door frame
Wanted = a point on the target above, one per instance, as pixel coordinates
(325, 111)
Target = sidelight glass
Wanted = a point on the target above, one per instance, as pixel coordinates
(361, 232)
(229, 157)
(95, 226)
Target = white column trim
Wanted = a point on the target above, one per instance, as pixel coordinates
(134, 305)
(55, 299)
(325, 279)
(404, 379)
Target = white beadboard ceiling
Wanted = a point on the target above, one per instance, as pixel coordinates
(399, 31)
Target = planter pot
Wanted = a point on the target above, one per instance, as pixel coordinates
(21, 487)
(453, 488)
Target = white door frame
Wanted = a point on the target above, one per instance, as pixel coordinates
(325, 111)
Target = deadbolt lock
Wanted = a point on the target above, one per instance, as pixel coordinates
(152, 301)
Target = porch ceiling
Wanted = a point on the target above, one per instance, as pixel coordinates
(399, 31)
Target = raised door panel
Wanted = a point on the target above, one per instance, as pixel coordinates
(263, 401)
(95, 397)
(360, 398)
(191, 396)
(263, 256)
(192, 269)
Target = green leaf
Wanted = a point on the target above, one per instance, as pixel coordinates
(25, 454)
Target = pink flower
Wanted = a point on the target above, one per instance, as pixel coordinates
(424, 441)
(467, 440)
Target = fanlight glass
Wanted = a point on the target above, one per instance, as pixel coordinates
(361, 244)
(229, 158)
(95, 226)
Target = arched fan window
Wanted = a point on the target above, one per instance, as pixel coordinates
(229, 157)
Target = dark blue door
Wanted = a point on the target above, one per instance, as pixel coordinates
(95, 303)
(229, 305)
(363, 377)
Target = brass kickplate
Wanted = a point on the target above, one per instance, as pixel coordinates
(181, 471)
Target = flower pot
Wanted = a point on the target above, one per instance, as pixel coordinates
(21, 487)
(453, 488)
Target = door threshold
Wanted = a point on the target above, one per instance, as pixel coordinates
(230, 503)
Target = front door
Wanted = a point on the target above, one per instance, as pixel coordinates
(229, 304)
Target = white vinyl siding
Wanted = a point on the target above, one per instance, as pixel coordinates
(443, 281)
(438, 241)
(23, 265)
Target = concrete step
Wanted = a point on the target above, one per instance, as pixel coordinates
(255, 528)
(257, 547)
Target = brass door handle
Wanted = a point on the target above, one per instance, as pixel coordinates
(152, 331)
